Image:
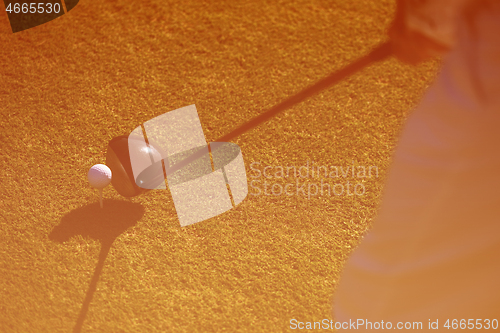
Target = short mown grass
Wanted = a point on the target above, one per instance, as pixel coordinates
(69, 86)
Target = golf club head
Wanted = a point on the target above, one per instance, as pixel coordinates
(118, 160)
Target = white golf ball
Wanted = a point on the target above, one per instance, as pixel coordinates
(99, 176)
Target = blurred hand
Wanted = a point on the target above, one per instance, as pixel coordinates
(411, 46)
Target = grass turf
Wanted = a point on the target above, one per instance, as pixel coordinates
(67, 87)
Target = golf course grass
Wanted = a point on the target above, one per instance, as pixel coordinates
(69, 86)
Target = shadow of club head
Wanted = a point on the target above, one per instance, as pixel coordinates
(103, 224)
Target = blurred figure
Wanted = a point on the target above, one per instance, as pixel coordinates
(433, 253)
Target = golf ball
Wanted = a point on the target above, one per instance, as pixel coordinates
(99, 176)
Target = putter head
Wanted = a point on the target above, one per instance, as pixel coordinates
(118, 160)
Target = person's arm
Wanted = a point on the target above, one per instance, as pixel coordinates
(423, 29)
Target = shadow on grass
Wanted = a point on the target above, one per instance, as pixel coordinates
(104, 225)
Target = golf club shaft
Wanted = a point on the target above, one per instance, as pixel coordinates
(381, 52)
